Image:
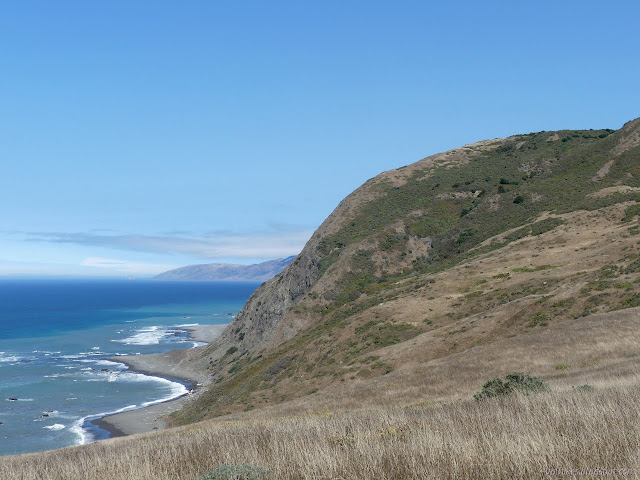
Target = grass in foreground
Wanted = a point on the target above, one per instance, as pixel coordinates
(510, 437)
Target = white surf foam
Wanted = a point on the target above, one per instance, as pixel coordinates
(145, 336)
(176, 390)
(9, 358)
(85, 436)
(103, 363)
(55, 426)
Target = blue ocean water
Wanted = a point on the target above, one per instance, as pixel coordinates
(56, 334)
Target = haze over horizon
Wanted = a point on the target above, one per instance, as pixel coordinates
(137, 138)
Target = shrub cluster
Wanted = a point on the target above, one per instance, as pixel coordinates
(513, 383)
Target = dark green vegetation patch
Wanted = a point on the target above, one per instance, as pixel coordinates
(456, 206)
(513, 383)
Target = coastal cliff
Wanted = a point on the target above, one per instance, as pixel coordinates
(432, 259)
(260, 323)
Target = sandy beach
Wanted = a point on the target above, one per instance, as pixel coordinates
(171, 365)
(205, 333)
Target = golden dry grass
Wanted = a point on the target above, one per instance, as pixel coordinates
(602, 350)
(522, 437)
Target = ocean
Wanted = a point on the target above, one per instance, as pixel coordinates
(56, 334)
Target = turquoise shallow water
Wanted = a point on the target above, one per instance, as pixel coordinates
(55, 334)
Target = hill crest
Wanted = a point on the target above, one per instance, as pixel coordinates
(401, 263)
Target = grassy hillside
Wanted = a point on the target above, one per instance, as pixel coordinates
(415, 256)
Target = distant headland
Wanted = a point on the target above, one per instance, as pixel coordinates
(225, 272)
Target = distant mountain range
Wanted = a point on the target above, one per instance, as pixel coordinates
(226, 272)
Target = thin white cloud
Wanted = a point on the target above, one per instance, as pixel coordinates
(102, 262)
(208, 247)
(125, 266)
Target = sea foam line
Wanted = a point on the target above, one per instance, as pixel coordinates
(145, 336)
(177, 390)
(153, 335)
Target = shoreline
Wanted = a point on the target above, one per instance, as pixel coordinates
(148, 418)
(204, 333)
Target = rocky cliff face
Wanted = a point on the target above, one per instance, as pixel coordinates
(261, 323)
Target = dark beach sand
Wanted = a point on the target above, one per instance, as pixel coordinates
(168, 365)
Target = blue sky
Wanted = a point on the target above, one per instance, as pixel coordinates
(141, 136)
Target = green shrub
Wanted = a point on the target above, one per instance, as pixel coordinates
(504, 181)
(538, 318)
(236, 472)
(231, 350)
(631, 212)
(513, 383)
(534, 269)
